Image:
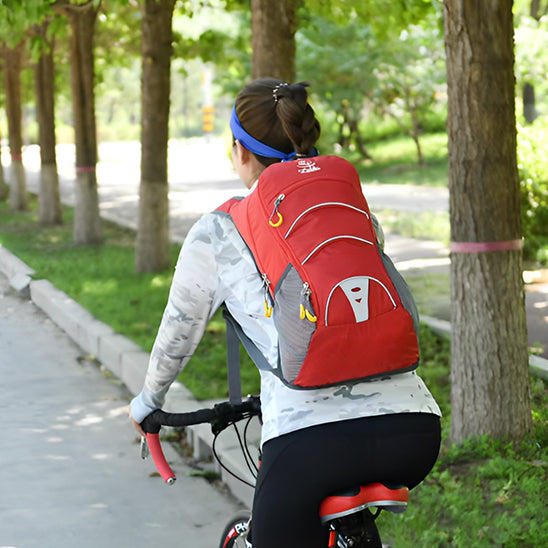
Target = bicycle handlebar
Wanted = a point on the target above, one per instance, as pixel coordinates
(219, 416)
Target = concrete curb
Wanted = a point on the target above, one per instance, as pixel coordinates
(17, 272)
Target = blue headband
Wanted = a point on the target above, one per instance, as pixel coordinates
(253, 144)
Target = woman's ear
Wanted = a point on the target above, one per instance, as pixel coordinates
(242, 152)
(246, 165)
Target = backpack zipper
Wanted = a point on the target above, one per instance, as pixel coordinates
(266, 287)
(306, 310)
(280, 219)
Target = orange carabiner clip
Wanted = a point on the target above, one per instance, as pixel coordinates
(276, 212)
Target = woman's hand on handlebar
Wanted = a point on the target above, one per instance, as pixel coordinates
(136, 424)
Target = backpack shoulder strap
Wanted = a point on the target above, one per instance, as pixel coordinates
(232, 359)
(234, 335)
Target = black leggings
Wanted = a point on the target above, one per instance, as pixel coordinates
(300, 469)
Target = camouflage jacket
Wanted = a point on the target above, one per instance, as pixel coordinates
(215, 266)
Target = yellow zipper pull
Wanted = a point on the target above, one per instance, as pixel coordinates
(267, 305)
(306, 307)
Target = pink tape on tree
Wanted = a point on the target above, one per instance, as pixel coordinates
(485, 247)
(85, 169)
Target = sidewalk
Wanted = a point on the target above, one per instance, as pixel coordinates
(70, 471)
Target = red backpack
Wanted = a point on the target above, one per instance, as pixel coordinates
(331, 289)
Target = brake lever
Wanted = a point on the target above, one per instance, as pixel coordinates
(144, 448)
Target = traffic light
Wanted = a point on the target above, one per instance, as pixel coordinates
(207, 119)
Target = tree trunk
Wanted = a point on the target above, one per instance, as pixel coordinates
(356, 133)
(489, 361)
(416, 129)
(534, 9)
(12, 78)
(87, 222)
(273, 27)
(152, 246)
(529, 104)
(4, 189)
(49, 202)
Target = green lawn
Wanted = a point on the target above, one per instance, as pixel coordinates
(395, 161)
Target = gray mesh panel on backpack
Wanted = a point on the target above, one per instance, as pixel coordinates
(294, 334)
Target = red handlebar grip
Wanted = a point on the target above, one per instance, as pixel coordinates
(159, 459)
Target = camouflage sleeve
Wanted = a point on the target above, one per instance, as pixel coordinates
(192, 301)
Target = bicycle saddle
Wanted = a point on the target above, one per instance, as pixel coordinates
(394, 499)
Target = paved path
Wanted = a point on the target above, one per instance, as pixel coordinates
(201, 177)
(70, 473)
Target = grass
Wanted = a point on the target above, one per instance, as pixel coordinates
(431, 293)
(423, 225)
(483, 494)
(396, 162)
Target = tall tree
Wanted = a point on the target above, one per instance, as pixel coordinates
(82, 17)
(18, 22)
(273, 27)
(4, 189)
(152, 246)
(49, 201)
(531, 37)
(12, 80)
(489, 363)
(407, 83)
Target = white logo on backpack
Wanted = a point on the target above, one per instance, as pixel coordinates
(357, 292)
(307, 166)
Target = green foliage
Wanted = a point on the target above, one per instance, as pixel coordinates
(386, 17)
(117, 34)
(531, 39)
(423, 225)
(361, 80)
(17, 17)
(533, 172)
(100, 278)
(410, 79)
(394, 161)
(435, 353)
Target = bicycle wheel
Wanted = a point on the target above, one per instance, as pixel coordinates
(232, 536)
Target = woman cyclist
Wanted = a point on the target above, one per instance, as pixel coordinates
(314, 442)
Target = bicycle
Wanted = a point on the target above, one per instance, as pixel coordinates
(347, 515)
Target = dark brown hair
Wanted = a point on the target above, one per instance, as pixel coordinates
(278, 115)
